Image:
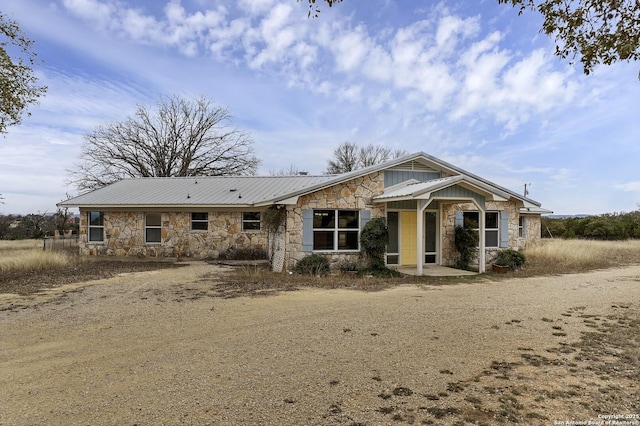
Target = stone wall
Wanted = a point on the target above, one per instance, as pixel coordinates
(124, 236)
(354, 194)
(449, 252)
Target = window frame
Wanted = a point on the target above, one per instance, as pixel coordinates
(90, 226)
(337, 231)
(199, 222)
(251, 221)
(487, 230)
(148, 227)
(522, 230)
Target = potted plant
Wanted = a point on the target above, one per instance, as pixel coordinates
(507, 260)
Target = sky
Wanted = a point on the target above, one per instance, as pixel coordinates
(471, 83)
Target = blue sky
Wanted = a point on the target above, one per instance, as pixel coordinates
(477, 86)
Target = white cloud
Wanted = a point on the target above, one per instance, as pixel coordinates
(633, 186)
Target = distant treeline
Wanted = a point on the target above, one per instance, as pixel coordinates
(18, 227)
(609, 226)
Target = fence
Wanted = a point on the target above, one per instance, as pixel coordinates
(60, 242)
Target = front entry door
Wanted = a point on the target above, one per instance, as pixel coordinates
(408, 237)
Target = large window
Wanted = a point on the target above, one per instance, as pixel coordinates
(153, 228)
(250, 221)
(96, 226)
(199, 221)
(336, 230)
(471, 220)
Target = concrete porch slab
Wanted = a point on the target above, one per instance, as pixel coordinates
(435, 271)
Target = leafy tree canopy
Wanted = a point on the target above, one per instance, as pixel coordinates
(18, 83)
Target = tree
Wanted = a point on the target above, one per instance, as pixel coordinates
(18, 84)
(180, 138)
(596, 31)
(347, 157)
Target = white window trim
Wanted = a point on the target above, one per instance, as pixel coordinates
(146, 227)
(206, 221)
(497, 230)
(90, 226)
(522, 233)
(336, 230)
(258, 221)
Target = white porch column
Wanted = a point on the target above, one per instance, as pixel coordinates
(419, 239)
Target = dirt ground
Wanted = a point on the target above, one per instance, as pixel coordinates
(160, 347)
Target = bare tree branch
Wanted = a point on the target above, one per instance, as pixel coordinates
(348, 157)
(179, 138)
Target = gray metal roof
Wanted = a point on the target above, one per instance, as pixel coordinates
(195, 191)
(238, 191)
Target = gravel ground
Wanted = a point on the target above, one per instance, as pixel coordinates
(155, 348)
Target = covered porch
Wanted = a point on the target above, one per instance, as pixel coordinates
(433, 270)
(419, 228)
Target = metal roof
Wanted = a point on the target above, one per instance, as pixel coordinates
(239, 191)
(195, 191)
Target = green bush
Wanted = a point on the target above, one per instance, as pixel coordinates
(373, 241)
(314, 264)
(466, 241)
(511, 258)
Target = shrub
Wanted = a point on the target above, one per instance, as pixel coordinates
(466, 241)
(314, 264)
(511, 258)
(233, 253)
(373, 240)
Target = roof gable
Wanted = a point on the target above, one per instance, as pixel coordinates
(244, 191)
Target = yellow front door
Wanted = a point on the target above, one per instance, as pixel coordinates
(408, 238)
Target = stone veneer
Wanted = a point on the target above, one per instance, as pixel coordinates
(124, 231)
(124, 235)
(449, 252)
(353, 194)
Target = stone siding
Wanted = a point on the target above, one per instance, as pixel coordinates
(124, 236)
(449, 252)
(353, 194)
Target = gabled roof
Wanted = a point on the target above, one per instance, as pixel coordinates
(417, 190)
(251, 191)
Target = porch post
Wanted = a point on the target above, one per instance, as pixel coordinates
(419, 236)
(482, 254)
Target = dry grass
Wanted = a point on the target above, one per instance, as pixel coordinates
(559, 256)
(27, 255)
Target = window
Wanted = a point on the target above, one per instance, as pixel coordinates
(336, 230)
(522, 232)
(471, 220)
(199, 221)
(250, 221)
(491, 231)
(96, 226)
(153, 228)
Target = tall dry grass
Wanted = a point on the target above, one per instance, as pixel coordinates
(558, 256)
(27, 255)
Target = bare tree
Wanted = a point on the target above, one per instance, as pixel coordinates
(348, 157)
(180, 138)
(292, 170)
(18, 83)
(345, 159)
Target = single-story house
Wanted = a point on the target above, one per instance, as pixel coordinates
(289, 217)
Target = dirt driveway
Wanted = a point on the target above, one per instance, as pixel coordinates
(153, 348)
